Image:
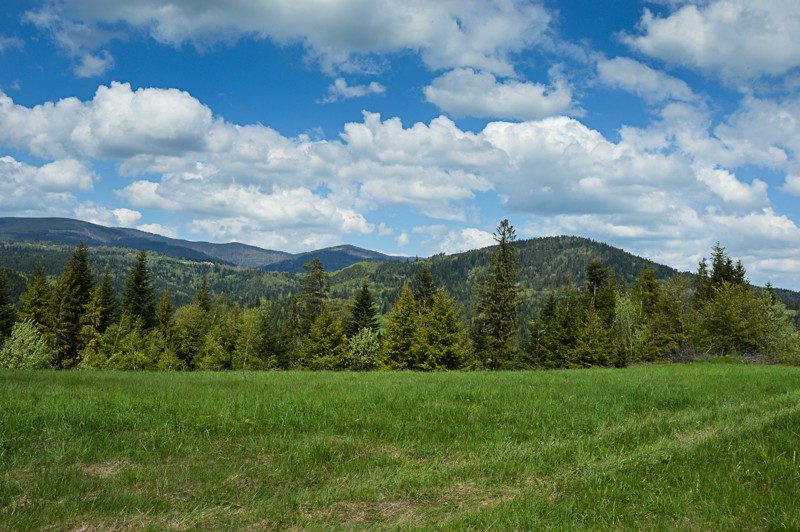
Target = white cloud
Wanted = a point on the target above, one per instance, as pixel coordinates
(93, 65)
(339, 34)
(22, 193)
(465, 92)
(79, 40)
(9, 42)
(98, 214)
(736, 39)
(655, 191)
(732, 191)
(159, 229)
(650, 85)
(792, 185)
(340, 90)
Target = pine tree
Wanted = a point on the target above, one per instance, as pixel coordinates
(7, 311)
(362, 314)
(70, 297)
(497, 309)
(400, 330)
(139, 299)
(36, 301)
(291, 338)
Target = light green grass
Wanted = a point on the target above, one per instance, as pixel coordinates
(700, 446)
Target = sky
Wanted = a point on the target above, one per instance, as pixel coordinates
(412, 127)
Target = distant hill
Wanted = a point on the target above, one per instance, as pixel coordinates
(237, 270)
(69, 231)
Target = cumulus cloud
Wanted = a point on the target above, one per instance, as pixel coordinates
(736, 39)
(466, 92)
(732, 191)
(655, 190)
(159, 229)
(340, 90)
(339, 34)
(98, 214)
(650, 85)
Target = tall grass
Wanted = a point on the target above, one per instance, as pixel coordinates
(695, 446)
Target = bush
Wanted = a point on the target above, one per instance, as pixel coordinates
(26, 348)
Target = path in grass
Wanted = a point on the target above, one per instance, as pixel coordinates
(681, 446)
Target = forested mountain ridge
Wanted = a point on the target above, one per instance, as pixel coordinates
(555, 302)
(546, 264)
(69, 231)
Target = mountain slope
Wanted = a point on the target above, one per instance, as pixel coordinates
(68, 231)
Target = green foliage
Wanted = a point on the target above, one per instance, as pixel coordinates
(362, 312)
(7, 312)
(364, 351)
(192, 322)
(497, 306)
(424, 288)
(440, 343)
(400, 331)
(70, 297)
(313, 292)
(325, 347)
(138, 300)
(36, 301)
(25, 348)
(257, 345)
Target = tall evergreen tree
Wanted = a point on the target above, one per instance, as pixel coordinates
(497, 308)
(108, 300)
(203, 296)
(139, 299)
(70, 297)
(424, 288)
(362, 314)
(439, 343)
(36, 301)
(400, 330)
(314, 289)
(165, 318)
(7, 311)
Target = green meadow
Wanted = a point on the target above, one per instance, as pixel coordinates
(684, 446)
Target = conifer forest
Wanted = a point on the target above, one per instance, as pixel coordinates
(425, 315)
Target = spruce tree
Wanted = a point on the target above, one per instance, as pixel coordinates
(497, 308)
(203, 296)
(314, 290)
(139, 299)
(439, 343)
(165, 318)
(400, 331)
(108, 300)
(362, 314)
(424, 288)
(36, 301)
(70, 297)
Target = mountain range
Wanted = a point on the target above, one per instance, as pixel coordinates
(69, 231)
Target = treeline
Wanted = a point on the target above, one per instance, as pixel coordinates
(83, 320)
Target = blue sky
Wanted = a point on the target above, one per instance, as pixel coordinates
(412, 127)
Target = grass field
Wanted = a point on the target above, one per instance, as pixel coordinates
(697, 446)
